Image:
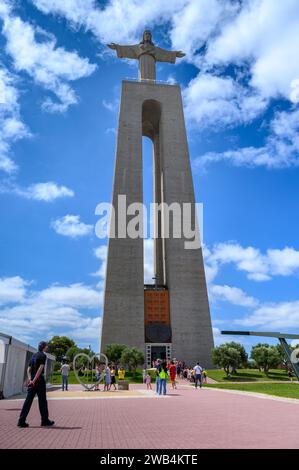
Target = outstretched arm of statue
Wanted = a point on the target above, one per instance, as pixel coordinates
(163, 55)
(124, 52)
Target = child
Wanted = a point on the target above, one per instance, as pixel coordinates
(148, 381)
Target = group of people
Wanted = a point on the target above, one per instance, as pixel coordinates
(174, 370)
(110, 372)
(162, 370)
(189, 373)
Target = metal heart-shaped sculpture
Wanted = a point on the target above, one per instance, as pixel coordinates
(90, 359)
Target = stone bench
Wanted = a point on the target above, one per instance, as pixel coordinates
(123, 385)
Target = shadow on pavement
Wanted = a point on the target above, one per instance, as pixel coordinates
(12, 409)
(72, 428)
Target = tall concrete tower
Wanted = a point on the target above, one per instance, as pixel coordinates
(170, 318)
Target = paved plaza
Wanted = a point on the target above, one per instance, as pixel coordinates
(185, 418)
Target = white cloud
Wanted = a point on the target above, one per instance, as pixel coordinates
(196, 21)
(280, 315)
(265, 35)
(101, 253)
(70, 226)
(11, 126)
(257, 265)
(111, 106)
(220, 101)
(12, 289)
(47, 192)
(211, 265)
(221, 339)
(119, 20)
(2, 91)
(233, 295)
(55, 309)
(75, 295)
(294, 95)
(283, 262)
(149, 261)
(89, 330)
(281, 149)
(50, 66)
(256, 34)
(247, 259)
(261, 38)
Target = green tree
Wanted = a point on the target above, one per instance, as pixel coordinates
(59, 345)
(71, 353)
(265, 356)
(243, 354)
(227, 357)
(114, 352)
(132, 357)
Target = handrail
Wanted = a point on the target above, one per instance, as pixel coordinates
(149, 80)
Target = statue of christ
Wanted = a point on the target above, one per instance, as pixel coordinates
(147, 54)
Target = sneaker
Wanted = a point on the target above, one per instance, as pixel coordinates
(23, 425)
(48, 423)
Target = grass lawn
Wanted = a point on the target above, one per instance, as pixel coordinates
(288, 390)
(249, 375)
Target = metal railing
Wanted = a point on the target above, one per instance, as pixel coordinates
(150, 81)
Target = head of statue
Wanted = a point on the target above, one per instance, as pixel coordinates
(147, 37)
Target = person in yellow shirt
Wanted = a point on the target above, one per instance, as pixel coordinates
(121, 373)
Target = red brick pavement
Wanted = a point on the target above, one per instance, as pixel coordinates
(188, 419)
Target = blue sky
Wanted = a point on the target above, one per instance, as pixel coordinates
(59, 97)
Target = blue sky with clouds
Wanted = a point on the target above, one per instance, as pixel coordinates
(59, 97)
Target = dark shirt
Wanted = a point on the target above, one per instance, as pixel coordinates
(37, 360)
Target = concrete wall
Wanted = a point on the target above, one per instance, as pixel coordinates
(15, 367)
(14, 359)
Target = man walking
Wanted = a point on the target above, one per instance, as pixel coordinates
(65, 368)
(197, 375)
(36, 385)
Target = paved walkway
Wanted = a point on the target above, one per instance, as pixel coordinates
(186, 418)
